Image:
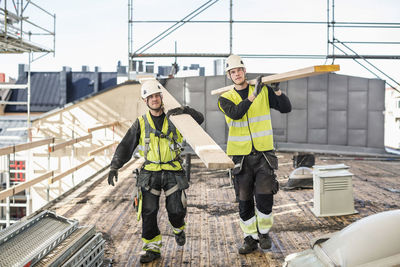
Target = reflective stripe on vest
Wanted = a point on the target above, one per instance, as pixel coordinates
(254, 127)
(160, 151)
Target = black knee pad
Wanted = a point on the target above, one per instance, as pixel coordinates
(246, 209)
(264, 202)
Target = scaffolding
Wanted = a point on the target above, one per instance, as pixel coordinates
(335, 48)
(21, 32)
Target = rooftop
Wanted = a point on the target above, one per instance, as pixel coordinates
(213, 233)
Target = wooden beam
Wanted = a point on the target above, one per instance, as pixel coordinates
(106, 125)
(93, 152)
(73, 169)
(22, 186)
(286, 76)
(203, 145)
(53, 148)
(25, 146)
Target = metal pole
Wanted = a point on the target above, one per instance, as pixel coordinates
(8, 209)
(130, 31)
(48, 169)
(54, 37)
(72, 154)
(327, 30)
(28, 108)
(230, 28)
(333, 28)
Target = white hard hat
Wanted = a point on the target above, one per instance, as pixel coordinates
(150, 87)
(232, 62)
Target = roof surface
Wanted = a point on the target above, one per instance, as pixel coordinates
(213, 232)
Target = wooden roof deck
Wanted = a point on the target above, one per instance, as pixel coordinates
(213, 232)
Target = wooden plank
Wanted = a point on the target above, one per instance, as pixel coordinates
(18, 188)
(34, 144)
(73, 169)
(25, 185)
(106, 125)
(203, 145)
(6, 193)
(25, 146)
(286, 76)
(93, 152)
(53, 148)
(6, 150)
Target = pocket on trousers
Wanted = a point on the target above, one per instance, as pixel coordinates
(181, 180)
(144, 178)
(238, 165)
(275, 185)
(271, 159)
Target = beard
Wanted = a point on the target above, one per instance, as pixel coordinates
(159, 108)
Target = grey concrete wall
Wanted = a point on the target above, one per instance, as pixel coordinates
(330, 112)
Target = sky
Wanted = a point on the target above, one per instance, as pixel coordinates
(95, 33)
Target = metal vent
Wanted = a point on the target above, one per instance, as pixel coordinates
(333, 190)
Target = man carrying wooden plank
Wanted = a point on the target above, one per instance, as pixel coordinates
(159, 142)
(250, 142)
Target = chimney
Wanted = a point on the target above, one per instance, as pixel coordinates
(65, 79)
(85, 68)
(97, 79)
(22, 69)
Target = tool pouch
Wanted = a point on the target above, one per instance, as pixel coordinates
(271, 159)
(238, 165)
(143, 179)
(181, 180)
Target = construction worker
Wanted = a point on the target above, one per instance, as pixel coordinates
(250, 142)
(159, 143)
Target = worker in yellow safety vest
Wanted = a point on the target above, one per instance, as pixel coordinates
(159, 142)
(250, 142)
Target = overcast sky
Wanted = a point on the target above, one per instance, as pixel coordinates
(95, 33)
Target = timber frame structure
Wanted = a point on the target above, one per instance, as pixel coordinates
(21, 33)
(335, 48)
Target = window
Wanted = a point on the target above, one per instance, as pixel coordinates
(17, 170)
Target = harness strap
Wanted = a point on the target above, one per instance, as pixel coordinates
(167, 193)
(155, 192)
(172, 190)
(148, 129)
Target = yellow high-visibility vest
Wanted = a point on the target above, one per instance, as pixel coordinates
(162, 147)
(253, 128)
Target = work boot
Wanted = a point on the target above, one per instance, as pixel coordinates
(180, 238)
(249, 245)
(265, 241)
(149, 256)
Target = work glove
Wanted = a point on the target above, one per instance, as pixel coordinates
(258, 86)
(275, 86)
(177, 111)
(113, 173)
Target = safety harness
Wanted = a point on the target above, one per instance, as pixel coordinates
(176, 147)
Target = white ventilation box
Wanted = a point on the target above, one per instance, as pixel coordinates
(333, 190)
